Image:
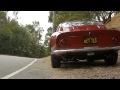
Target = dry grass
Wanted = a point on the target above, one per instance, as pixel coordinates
(114, 23)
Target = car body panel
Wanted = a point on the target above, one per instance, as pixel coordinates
(81, 38)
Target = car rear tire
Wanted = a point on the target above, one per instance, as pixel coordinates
(55, 62)
(111, 59)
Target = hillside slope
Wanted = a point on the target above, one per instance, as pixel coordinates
(114, 23)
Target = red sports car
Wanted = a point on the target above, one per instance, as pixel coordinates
(84, 40)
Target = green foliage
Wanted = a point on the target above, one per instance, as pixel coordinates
(3, 19)
(63, 16)
(5, 37)
(47, 41)
(20, 40)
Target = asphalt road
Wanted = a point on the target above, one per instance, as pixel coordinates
(13, 67)
(10, 64)
(40, 69)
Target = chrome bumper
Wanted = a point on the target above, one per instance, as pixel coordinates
(86, 49)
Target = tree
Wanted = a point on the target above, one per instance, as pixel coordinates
(47, 40)
(35, 31)
(62, 16)
(15, 13)
(103, 16)
(20, 40)
(3, 18)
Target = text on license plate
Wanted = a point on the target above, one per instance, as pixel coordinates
(90, 40)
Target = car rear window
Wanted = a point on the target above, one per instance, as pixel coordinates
(81, 23)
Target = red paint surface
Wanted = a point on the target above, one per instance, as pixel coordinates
(74, 37)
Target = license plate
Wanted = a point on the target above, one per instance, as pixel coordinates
(90, 40)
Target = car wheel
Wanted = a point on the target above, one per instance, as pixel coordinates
(55, 61)
(111, 59)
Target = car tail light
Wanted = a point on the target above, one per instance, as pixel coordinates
(63, 42)
(115, 39)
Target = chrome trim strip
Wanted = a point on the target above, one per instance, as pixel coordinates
(90, 49)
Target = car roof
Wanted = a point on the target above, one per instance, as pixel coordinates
(81, 23)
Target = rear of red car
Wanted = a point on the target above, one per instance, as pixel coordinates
(88, 39)
(80, 43)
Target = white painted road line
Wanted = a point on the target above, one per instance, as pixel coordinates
(14, 73)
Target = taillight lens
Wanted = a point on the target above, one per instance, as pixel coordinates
(115, 40)
(63, 42)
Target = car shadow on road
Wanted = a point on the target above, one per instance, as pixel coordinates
(85, 65)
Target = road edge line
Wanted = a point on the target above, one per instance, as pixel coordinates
(16, 72)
